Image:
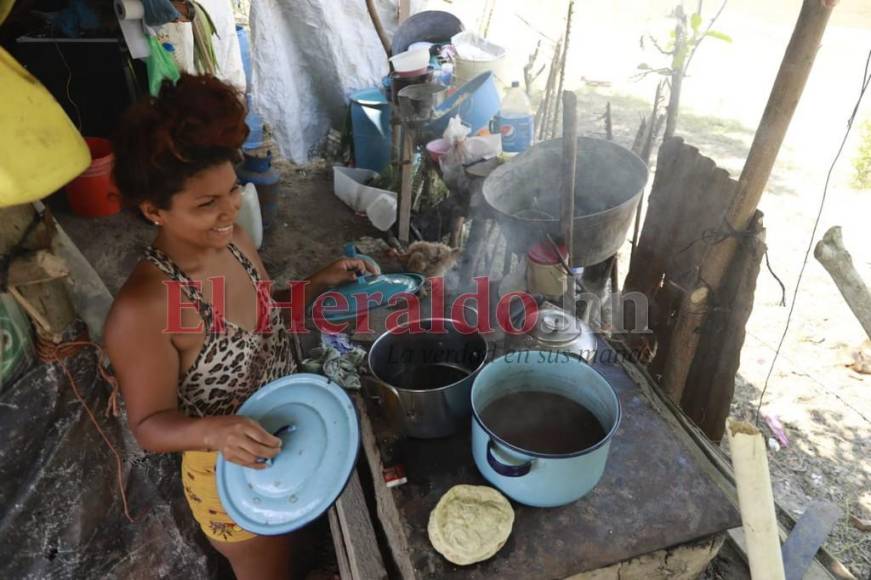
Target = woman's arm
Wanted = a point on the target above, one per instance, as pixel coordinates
(146, 364)
(341, 271)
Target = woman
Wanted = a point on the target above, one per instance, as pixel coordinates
(174, 161)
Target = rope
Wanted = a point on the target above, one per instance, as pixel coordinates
(51, 353)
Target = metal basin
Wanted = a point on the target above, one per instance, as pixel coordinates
(525, 193)
(425, 379)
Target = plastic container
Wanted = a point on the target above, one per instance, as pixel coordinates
(370, 125)
(544, 270)
(475, 56)
(40, 148)
(245, 49)
(93, 193)
(379, 205)
(476, 103)
(267, 184)
(255, 137)
(249, 214)
(411, 62)
(516, 120)
(437, 148)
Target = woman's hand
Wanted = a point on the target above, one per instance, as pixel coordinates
(241, 440)
(342, 271)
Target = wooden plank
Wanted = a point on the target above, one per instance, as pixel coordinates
(361, 546)
(718, 466)
(685, 212)
(710, 385)
(339, 545)
(388, 514)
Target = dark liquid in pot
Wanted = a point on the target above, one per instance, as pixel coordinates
(543, 422)
(428, 376)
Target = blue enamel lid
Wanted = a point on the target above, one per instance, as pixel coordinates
(369, 292)
(320, 435)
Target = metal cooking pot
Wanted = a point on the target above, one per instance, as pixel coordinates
(609, 181)
(425, 378)
(528, 477)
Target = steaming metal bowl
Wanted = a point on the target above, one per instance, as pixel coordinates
(525, 194)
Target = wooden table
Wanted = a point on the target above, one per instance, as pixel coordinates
(657, 509)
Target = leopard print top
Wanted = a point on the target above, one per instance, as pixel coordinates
(233, 362)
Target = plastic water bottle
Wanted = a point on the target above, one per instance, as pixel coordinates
(249, 214)
(516, 121)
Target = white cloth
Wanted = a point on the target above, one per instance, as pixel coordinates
(226, 43)
(307, 57)
(181, 36)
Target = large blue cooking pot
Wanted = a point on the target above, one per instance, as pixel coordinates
(537, 479)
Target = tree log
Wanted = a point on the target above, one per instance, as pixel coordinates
(831, 253)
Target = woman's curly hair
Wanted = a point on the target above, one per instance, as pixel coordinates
(194, 124)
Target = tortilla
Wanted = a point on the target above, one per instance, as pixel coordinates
(470, 524)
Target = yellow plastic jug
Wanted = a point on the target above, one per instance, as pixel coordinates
(40, 148)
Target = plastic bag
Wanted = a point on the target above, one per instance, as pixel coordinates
(464, 150)
(160, 66)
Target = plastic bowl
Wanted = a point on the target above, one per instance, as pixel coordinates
(410, 61)
(437, 148)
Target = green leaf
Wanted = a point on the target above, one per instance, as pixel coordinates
(696, 21)
(719, 35)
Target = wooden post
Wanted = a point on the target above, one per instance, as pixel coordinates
(379, 28)
(791, 78)
(562, 70)
(404, 10)
(690, 319)
(567, 204)
(405, 193)
(756, 500)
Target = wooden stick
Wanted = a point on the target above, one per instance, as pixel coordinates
(609, 130)
(562, 69)
(794, 70)
(541, 115)
(404, 10)
(831, 253)
(567, 204)
(405, 193)
(379, 28)
(756, 500)
(690, 319)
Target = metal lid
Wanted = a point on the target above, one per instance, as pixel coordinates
(369, 292)
(556, 328)
(320, 433)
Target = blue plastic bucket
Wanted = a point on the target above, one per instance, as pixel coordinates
(245, 49)
(476, 102)
(370, 125)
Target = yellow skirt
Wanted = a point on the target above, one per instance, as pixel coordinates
(201, 491)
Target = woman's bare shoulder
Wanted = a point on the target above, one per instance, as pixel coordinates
(141, 302)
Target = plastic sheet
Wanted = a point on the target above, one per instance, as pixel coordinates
(61, 514)
(307, 58)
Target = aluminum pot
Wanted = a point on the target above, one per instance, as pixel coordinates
(425, 378)
(538, 479)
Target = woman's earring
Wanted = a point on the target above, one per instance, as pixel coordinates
(157, 223)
